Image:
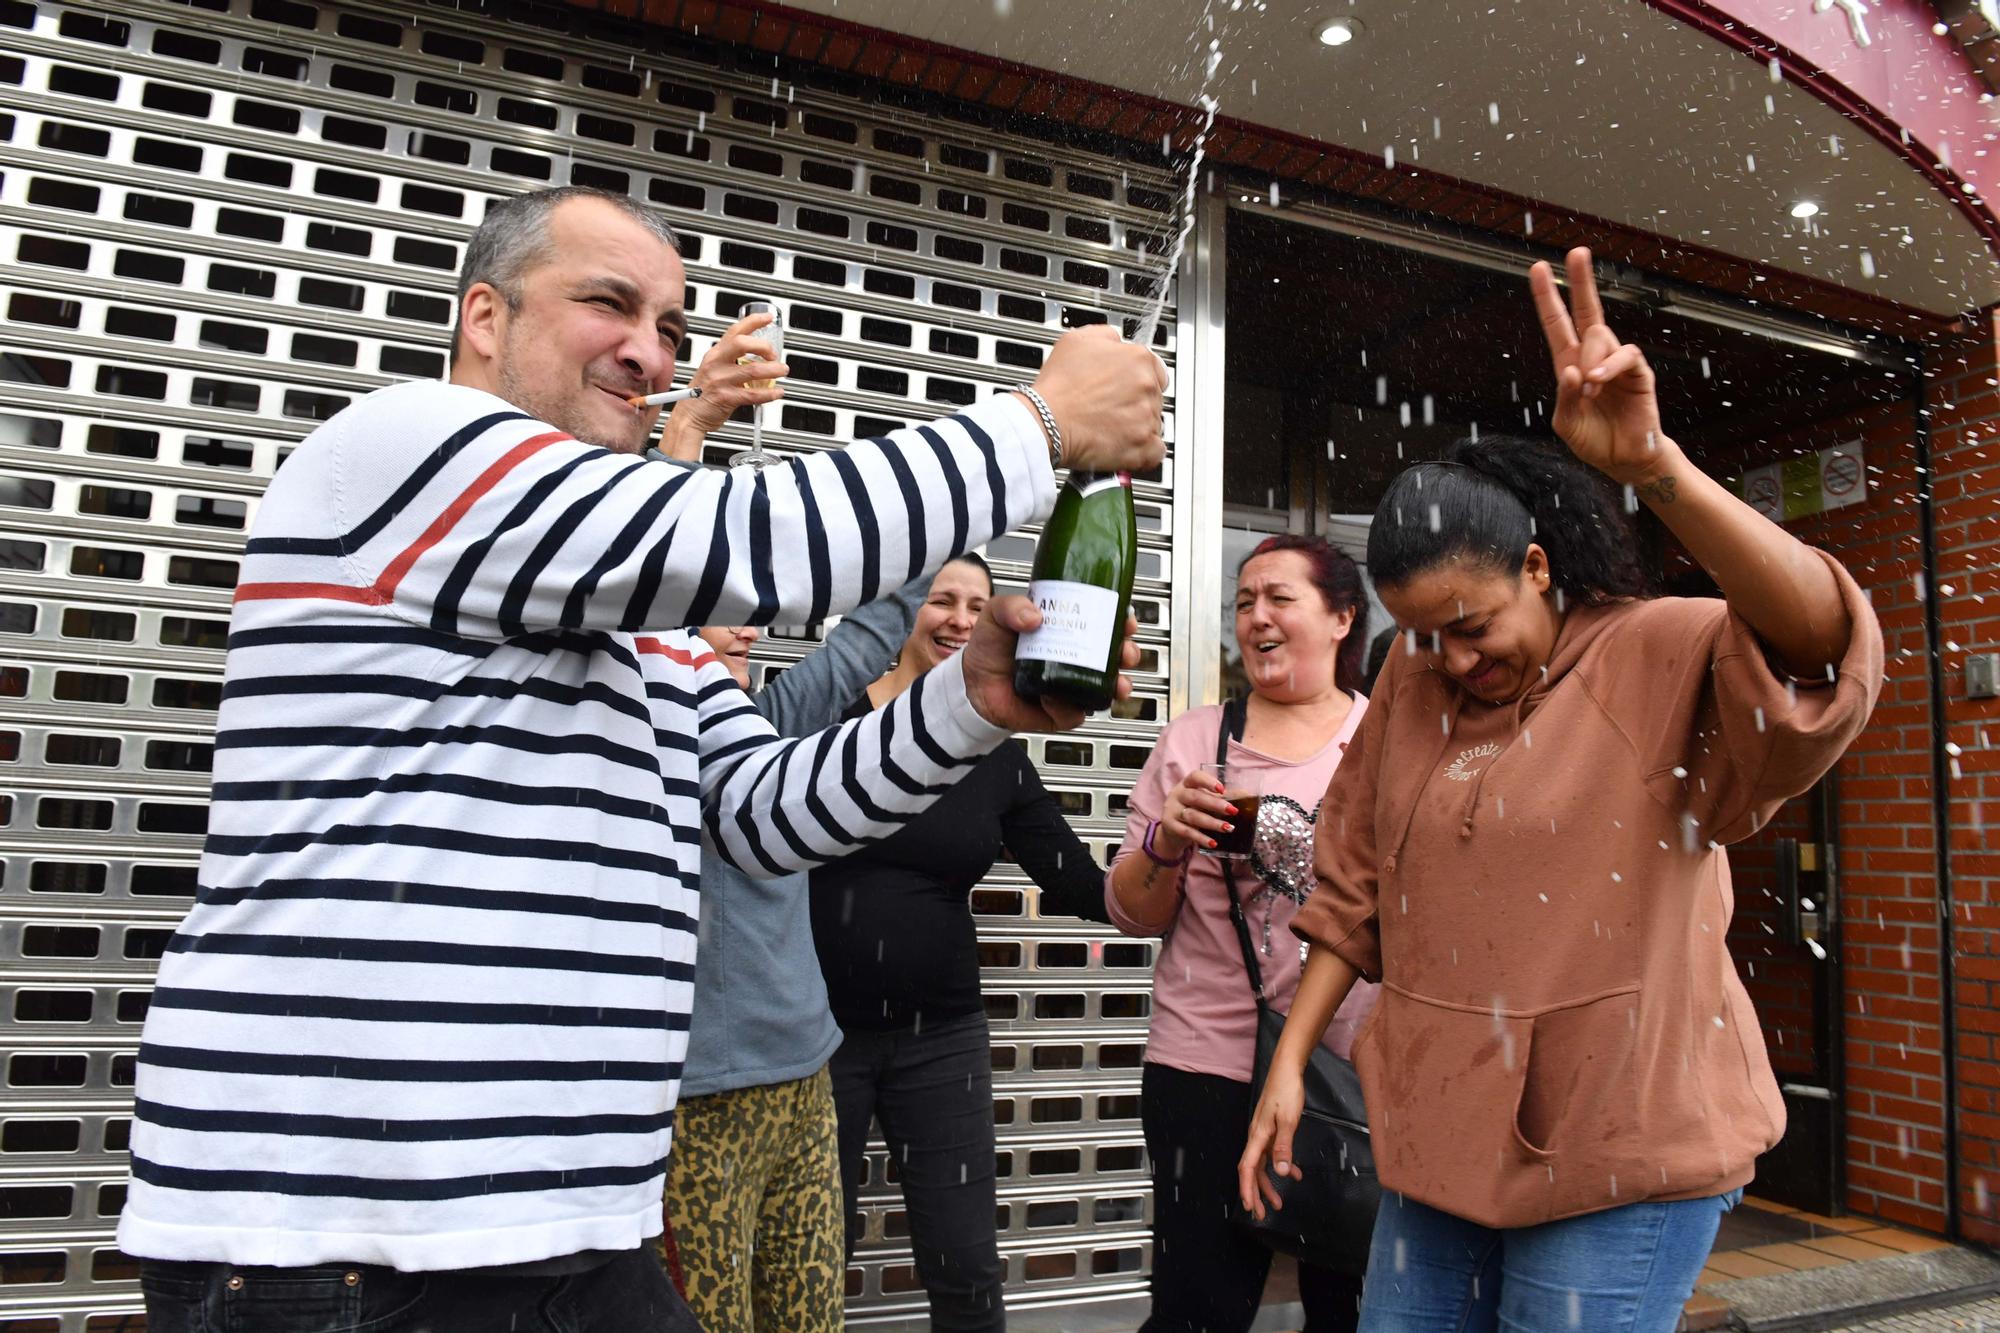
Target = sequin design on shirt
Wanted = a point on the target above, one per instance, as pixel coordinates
(1282, 855)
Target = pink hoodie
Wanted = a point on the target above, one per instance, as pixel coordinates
(1542, 890)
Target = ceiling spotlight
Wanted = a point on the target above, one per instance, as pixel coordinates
(1339, 32)
(1805, 208)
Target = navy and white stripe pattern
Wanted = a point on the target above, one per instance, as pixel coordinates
(430, 1008)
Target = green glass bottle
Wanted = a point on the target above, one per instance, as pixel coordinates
(1083, 586)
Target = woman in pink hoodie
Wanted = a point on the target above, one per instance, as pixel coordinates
(1566, 1082)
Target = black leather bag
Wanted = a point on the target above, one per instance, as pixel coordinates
(1328, 1217)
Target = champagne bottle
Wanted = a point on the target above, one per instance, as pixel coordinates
(1082, 584)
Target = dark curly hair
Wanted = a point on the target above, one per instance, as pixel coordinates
(1488, 499)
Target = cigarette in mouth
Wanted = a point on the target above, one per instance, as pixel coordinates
(657, 399)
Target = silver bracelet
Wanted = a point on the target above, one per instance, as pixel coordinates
(1048, 423)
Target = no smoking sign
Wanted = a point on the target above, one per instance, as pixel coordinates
(1807, 484)
(1765, 498)
(1840, 475)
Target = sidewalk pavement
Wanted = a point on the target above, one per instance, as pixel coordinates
(1776, 1269)
(1978, 1315)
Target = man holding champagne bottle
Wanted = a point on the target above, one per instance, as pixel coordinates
(1082, 585)
(413, 1058)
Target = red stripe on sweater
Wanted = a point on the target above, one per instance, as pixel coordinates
(445, 522)
(648, 644)
(383, 590)
(330, 592)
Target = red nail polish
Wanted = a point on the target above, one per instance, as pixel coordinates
(1234, 811)
(1212, 844)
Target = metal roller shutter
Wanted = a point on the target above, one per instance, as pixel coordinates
(219, 222)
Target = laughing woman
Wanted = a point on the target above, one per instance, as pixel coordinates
(1301, 624)
(893, 926)
(1566, 1081)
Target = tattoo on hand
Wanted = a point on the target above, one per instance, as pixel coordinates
(1659, 492)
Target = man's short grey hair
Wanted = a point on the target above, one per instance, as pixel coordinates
(514, 237)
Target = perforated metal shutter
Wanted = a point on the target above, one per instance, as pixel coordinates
(219, 222)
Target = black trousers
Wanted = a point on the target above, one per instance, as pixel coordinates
(932, 1092)
(1208, 1277)
(629, 1294)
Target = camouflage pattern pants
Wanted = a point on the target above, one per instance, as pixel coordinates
(753, 1203)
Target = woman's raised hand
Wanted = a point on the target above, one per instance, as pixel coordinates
(1606, 410)
(1196, 812)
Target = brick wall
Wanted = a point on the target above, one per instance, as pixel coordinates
(1965, 426)
(1890, 999)
(1890, 996)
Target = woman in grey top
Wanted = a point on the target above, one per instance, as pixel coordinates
(753, 1182)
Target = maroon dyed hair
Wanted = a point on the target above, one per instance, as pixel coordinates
(1338, 579)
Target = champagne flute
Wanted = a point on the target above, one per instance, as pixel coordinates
(772, 334)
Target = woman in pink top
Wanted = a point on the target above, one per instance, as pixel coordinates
(1300, 625)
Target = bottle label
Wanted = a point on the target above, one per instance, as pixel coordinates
(1078, 620)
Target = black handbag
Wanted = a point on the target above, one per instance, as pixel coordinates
(1328, 1216)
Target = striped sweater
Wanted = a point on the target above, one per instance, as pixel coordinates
(431, 1005)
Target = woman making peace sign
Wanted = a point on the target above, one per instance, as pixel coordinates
(1566, 1080)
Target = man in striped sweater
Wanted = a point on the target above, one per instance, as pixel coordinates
(413, 1057)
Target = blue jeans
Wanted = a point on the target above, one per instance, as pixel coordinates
(1623, 1270)
(629, 1294)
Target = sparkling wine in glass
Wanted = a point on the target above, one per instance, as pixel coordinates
(772, 334)
(1244, 788)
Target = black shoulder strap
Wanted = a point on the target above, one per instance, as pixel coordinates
(1235, 715)
(1234, 712)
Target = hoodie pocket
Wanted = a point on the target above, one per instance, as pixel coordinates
(1576, 1085)
(1487, 1113)
(1530, 1129)
(1444, 1084)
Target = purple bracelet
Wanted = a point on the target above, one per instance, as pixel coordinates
(1146, 846)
